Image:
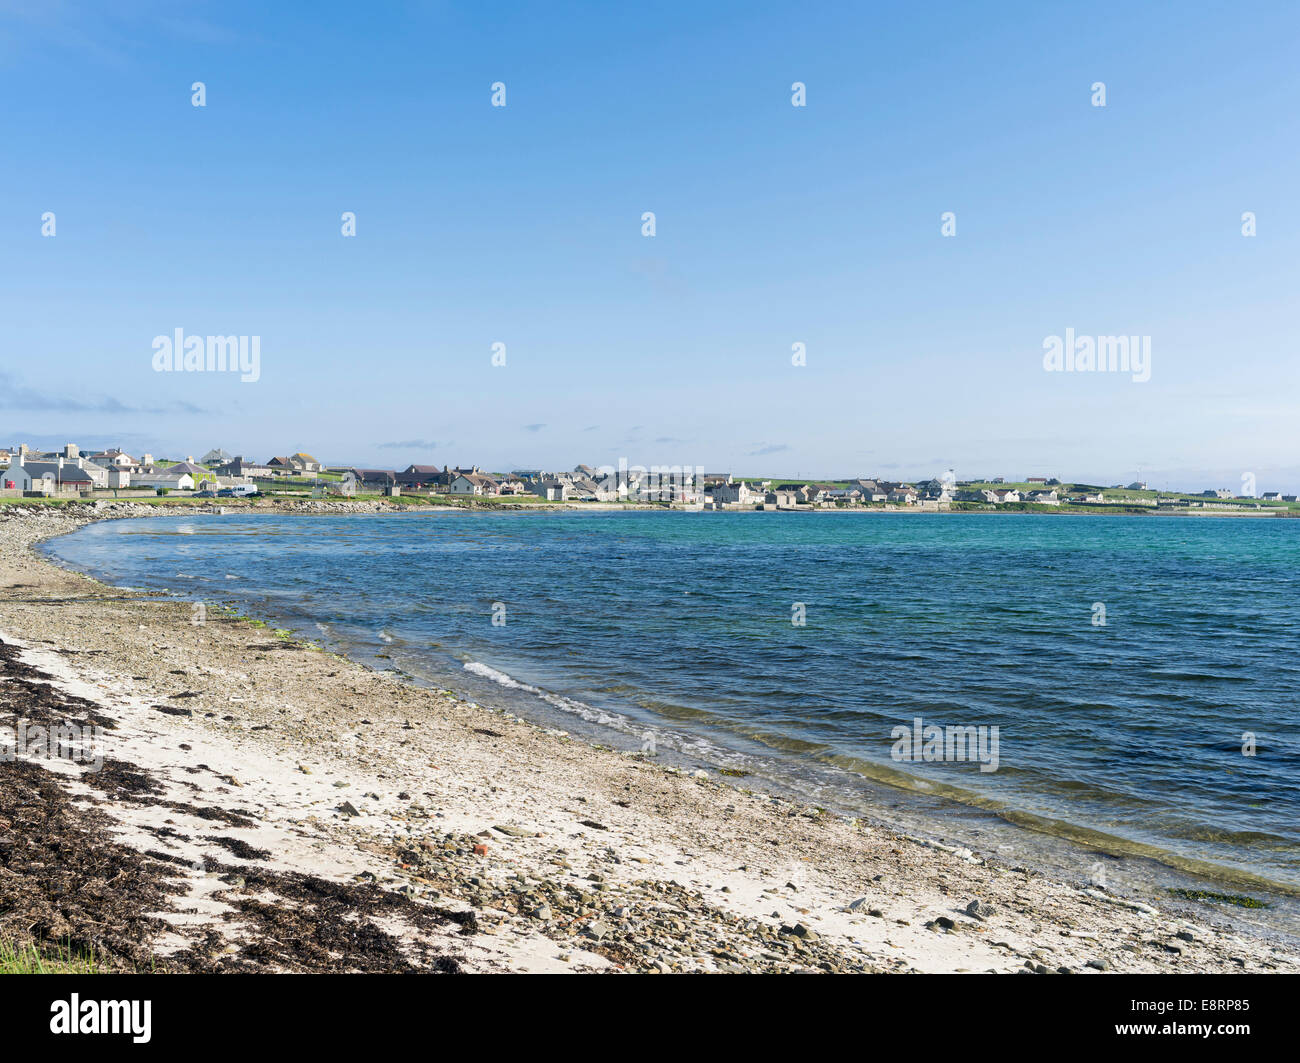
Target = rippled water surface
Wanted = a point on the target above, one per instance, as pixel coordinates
(679, 626)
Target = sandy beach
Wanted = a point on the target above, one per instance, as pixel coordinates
(267, 806)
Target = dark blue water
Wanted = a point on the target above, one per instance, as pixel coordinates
(1128, 736)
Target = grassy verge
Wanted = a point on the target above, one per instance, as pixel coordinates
(28, 959)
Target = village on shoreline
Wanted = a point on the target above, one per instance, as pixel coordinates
(72, 472)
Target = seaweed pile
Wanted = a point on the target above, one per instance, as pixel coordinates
(70, 885)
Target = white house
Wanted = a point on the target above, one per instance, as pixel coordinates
(197, 473)
(474, 483)
(113, 458)
(304, 462)
(734, 492)
(171, 481)
(16, 478)
(63, 472)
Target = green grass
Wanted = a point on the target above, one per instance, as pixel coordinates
(27, 959)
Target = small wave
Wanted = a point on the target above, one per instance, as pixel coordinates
(570, 705)
(1194, 677)
(488, 672)
(696, 747)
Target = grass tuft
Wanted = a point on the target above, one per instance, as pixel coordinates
(28, 959)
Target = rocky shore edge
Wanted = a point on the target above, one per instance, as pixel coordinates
(290, 810)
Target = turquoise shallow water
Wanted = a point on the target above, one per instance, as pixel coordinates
(678, 626)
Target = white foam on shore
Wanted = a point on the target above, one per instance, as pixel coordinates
(699, 748)
(559, 701)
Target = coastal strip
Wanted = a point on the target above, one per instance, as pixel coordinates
(260, 804)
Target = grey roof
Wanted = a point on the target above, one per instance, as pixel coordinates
(384, 475)
(69, 474)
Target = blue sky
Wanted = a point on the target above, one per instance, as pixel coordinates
(775, 225)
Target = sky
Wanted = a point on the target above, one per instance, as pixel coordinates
(774, 225)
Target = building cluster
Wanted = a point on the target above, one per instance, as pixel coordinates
(583, 484)
(72, 472)
(430, 479)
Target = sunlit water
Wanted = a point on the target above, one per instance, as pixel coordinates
(679, 630)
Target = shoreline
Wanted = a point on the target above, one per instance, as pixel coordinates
(924, 811)
(270, 505)
(555, 812)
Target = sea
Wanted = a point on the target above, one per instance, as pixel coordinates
(1113, 698)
